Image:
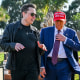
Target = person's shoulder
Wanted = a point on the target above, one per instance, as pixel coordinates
(12, 26)
(34, 28)
(48, 28)
(70, 29)
(13, 23)
(67, 28)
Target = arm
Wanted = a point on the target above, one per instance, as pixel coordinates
(73, 43)
(6, 43)
(41, 47)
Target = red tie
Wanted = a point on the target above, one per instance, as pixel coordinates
(55, 50)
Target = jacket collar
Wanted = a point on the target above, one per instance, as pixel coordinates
(65, 30)
(20, 26)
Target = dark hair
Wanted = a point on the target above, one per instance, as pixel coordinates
(25, 7)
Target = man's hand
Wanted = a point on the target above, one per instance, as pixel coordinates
(60, 37)
(42, 72)
(42, 46)
(19, 47)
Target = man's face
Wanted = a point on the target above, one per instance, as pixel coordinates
(59, 24)
(29, 16)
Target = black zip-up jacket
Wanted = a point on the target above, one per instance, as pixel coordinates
(8, 44)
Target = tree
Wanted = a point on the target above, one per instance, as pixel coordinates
(45, 6)
(4, 17)
(13, 8)
(73, 10)
(76, 21)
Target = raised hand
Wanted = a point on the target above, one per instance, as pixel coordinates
(42, 46)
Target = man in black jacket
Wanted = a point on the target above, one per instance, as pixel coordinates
(20, 39)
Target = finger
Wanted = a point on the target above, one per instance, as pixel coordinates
(22, 47)
(19, 48)
(58, 39)
(38, 42)
(16, 49)
(42, 75)
(44, 48)
(39, 45)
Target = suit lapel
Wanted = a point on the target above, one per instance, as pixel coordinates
(65, 33)
(51, 37)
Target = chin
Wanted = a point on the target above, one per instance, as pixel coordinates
(31, 23)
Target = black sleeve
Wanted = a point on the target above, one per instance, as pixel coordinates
(6, 44)
(37, 33)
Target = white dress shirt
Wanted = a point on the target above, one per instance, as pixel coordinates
(61, 53)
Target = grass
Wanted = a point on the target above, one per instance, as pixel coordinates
(1, 58)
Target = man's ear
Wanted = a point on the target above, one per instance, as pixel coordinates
(65, 22)
(23, 13)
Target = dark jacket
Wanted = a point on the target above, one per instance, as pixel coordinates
(8, 44)
(75, 54)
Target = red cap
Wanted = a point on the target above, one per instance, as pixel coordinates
(59, 16)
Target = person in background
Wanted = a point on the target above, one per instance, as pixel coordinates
(20, 39)
(60, 42)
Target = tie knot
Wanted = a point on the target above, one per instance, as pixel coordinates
(59, 31)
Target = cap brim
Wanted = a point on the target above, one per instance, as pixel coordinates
(60, 19)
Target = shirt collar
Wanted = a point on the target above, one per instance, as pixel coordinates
(57, 30)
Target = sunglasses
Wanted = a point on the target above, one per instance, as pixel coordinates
(33, 14)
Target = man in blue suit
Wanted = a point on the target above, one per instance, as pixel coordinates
(65, 59)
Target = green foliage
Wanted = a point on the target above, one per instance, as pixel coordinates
(2, 24)
(1, 58)
(4, 17)
(52, 4)
(43, 7)
(13, 8)
(76, 19)
(72, 17)
(41, 13)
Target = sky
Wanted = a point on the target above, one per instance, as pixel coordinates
(69, 1)
(67, 5)
(0, 2)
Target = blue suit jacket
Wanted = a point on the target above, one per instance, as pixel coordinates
(72, 43)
